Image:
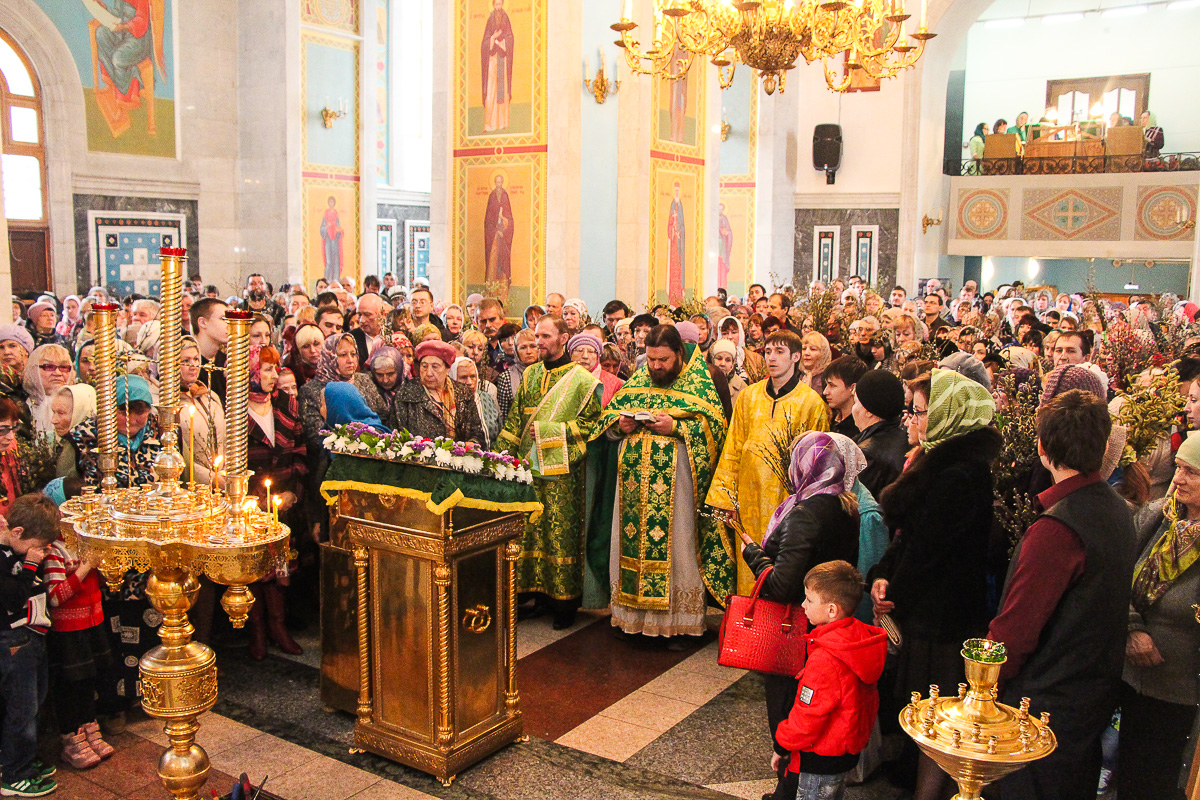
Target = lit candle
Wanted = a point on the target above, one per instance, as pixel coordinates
(267, 483)
(602, 61)
(276, 504)
(216, 466)
(627, 14)
(192, 437)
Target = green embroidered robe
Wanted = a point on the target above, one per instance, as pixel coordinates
(647, 484)
(553, 413)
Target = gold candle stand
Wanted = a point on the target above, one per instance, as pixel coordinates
(975, 739)
(176, 533)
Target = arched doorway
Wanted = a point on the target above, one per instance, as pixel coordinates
(26, 205)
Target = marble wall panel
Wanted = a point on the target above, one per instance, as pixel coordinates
(95, 202)
(400, 214)
(888, 220)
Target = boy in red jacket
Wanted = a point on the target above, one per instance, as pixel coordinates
(837, 700)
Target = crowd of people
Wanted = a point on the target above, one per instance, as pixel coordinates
(1152, 133)
(1012, 464)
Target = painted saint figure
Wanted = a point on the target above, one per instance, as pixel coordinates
(496, 53)
(498, 236)
(676, 231)
(725, 239)
(679, 99)
(120, 52)
(332, 234)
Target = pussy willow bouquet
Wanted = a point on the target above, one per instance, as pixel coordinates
(1150, 408)
(357, 439)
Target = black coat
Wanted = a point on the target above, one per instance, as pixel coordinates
(885, 444)
(940, 513)
(815, 531)
(417, 413)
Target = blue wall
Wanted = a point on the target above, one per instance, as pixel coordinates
(598, 163)
(1071, 275)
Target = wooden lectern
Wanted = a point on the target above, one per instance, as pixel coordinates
(431, 660)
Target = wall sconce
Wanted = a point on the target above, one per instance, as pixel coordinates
(928, 222)
(1183, 221)
(328, 115)
(600, 87)
(725, 126)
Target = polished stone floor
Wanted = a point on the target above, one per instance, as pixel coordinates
(608, 718)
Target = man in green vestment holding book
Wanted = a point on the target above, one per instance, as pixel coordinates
(553, 412)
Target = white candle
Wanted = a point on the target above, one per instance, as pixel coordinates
(924, 13)
(627, 14)
(602, 61)
(586, 69)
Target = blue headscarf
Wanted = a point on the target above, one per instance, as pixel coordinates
(54, 490)
(344, 404)
(133, 388)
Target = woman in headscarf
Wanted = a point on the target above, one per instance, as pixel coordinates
(137, 436)
(466, 372)
(48, 369)
(274, 453)
(344, 404)
(704, 328)
(70, 406)
(585, 350)
(723, 356)
(337, 364)
(1159, 694)
(750, 365)
(575, 315)
(475, 345)
(817, 522)
(507, 381)
(405, 347)
(305, 354)
(72, 319)
(455, 321)
(933, 579)
(201, 407)
(379, 384)
(434, 405)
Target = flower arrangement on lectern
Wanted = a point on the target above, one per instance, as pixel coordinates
(358, 439)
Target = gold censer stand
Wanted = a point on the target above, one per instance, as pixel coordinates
(972, 737)
(176, 532)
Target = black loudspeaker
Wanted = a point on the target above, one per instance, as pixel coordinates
(827, 149)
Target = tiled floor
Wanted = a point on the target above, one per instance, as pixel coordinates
(654, 724)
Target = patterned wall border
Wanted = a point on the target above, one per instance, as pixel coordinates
(658, 280)
(468, 50)
(412, 230)
(1086, 214)
(1157, 212)
(537, 256)
(337, 14)
(307, 38)
(982, 214)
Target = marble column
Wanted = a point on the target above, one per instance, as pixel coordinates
(5, 257)
(442, 169)
(563, 151)
(775, 182)
(633, 179)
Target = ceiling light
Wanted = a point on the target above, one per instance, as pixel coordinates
(1055, 19)
(1181, 5)
(1124, 11)
(1016, 22)
(1033, 268)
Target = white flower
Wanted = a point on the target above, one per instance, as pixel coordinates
(441, 456)
(457, 461)
(406, 451)
(473, 465)
(330, 440)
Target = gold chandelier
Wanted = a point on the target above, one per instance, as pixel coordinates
(769, 35)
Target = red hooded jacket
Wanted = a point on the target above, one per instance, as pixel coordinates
(837, 701)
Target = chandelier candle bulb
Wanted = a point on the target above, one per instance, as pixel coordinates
(192, 444)
(924, 14)
(627, 11)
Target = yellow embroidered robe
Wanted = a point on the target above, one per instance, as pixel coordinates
(744, 480)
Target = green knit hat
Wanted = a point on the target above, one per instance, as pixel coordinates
(957, 405)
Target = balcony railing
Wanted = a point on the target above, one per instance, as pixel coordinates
(1074, 165)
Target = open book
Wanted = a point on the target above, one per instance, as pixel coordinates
(102, 14)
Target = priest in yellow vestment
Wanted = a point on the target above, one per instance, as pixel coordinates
(767, 417)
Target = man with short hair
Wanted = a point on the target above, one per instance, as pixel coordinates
(664, 553)
(840, 377)
(208, 321)
(210, 290)
(877, 413)
(144, 310)
(491, 318)
(898, 296)
(778, 307)
(369, 333)
(1071, 347)
(765, 413)
(421, 308)
(554, 410)
(297, 301)
(554, 303)
(370, 285)
(932, 314)
(755, 291)
(1065, 609)
(330, 320)
(614, 312)
(258, 299)
(185, 310)
(389, 281)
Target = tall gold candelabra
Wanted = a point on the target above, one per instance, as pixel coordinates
(972, 737)
(176, 532)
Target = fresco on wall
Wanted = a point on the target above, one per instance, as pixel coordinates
(331, 230)
(500, 67)
(124, 51)
(735, 239)
(678, 102)
(501, 240)
(676, 235)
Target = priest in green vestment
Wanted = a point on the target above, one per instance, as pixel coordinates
(554, 410)
(670, 422)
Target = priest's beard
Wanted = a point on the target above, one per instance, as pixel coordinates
(665, 377)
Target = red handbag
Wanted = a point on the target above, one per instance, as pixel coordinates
(762, 635)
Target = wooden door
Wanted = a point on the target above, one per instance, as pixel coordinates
(30, 260)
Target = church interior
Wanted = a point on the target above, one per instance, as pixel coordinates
(597, 157)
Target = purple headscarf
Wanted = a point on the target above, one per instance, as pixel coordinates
(327, 371)
(822, 463)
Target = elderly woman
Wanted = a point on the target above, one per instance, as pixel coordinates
(201, 408)
(723, 356)
(475, 346)
(137, 437)
(48, 369)
(818, 522)
(940, 510)
(574, 313)
(1159, 695)
(305, 353)
(69, 407)
(337, 363)
(525, 345)
(585, 350)
(750, 365)
(466, 372)
(386, 370)
(434, 405)
(426, 332)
